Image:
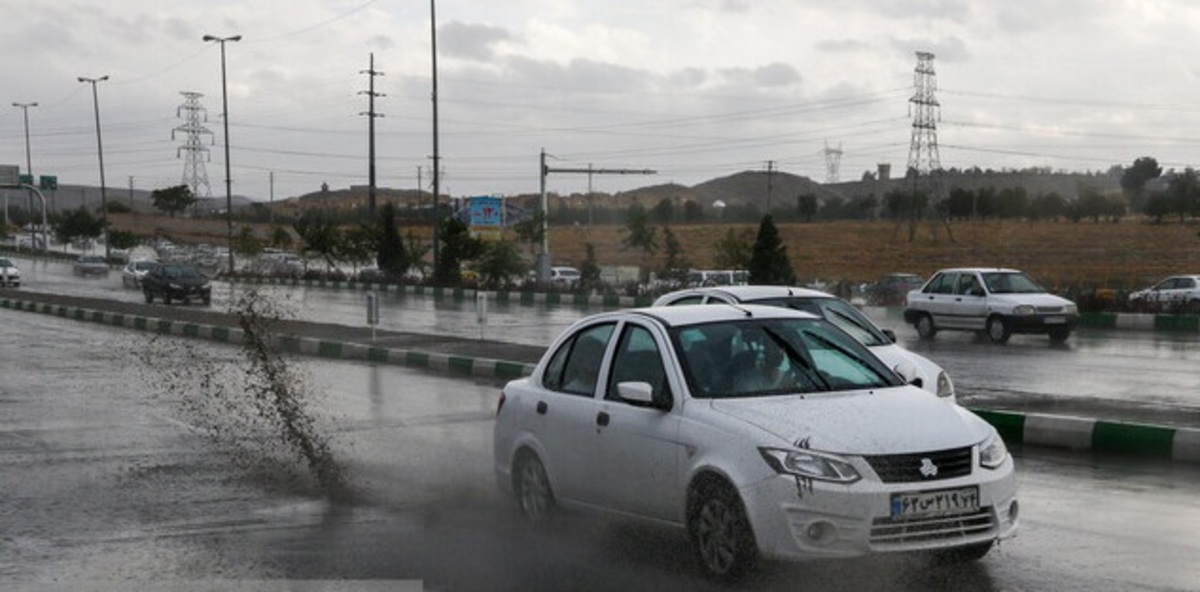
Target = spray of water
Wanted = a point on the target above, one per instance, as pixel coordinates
(255, 406)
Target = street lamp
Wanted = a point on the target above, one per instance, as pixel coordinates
(28, 158)
(225, 117)
(100, 151)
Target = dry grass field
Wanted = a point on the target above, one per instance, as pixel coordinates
(1061, 254)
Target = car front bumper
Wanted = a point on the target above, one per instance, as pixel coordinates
(797, 520)
(1042, 323)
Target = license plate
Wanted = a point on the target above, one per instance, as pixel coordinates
(933, 503)
(1055, 320)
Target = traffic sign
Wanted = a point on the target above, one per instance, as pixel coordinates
(48, 182)
(10, 175)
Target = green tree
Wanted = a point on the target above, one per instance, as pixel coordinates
(734, 250)
(677, 266)
(498, 263)
(1134, 178)
(639, 234)
(807, 206)
(532, 230)
(173, 200)
(122, 239)
(77, 224)
(390, 254)
(769, 264)
(359, 245)
(589, 270)
(320, 236)
(246, 243)
(1184, 193)
(1157, 206)
(664, 211)
(692, 212)
(280, 237)
(417, 250)
(457, 247)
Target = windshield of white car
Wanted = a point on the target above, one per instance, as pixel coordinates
(767, 357)
(838, 312)
(1010, 283)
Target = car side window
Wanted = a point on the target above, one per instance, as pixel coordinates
(638, 359)
(966, 284)
(695, 299)
(575, 367)
(943, 284)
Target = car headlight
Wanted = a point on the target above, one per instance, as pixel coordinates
(945, 386)
(809, 464)
(993, 452)
(1024, 310)
(175, 286)
(1071, 309)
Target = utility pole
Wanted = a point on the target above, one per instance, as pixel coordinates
(100, 150)
(28, 155)
(371, 115)
(770, 183)
(436, 154)
(131, 192)
(543, 261)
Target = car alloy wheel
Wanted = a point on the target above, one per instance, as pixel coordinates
(997, 330)
(925, 327)
(721, 534)
(533, 489)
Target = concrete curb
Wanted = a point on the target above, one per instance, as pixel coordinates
(1073, 433)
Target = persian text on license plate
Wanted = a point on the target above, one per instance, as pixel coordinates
(932, 503)
(1055, 320)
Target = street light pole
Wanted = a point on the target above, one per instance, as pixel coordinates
(100, 151)
(225, 117)
(28, 158)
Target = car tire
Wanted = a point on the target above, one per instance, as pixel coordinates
(925, 327)
(149, 296)
(720, 533)
(535, 497)
(998, 330)
(1059, 334)
(966, 554)
(1193, 306)
(166, 297)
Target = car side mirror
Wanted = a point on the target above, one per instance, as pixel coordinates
(637, 393)
(907, 371)
(891, 335)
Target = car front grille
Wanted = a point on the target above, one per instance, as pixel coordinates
(900, 532)
(922, 466)
(1050, 309)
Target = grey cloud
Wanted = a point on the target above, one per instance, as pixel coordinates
(771, 75)
(579, 74)
(947, 49)
(842, 45)
(465, 40)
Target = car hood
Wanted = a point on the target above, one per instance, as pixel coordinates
(880, 421)
(1037, 299)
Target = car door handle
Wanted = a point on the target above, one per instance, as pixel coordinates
(602, 418)
(541, 407)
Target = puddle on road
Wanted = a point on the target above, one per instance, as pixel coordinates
(256, 408)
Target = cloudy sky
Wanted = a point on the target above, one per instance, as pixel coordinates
(694, 89)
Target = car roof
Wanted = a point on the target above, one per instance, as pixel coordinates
(979, 270)
(675, 316)
(746, 293)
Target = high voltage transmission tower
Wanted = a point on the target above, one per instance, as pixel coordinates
(833, 162)
(195, 175)
(924, 163)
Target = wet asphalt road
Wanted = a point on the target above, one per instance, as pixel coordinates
(105, 477)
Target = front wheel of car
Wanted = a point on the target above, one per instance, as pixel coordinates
(925, 327)
(532, 486)
(149, 296)
(720, 532)
(1059, 334)
(997, 330)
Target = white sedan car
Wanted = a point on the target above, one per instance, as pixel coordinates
(1179, 293)
(10, 274)
(760, 431)
(996, 302)
(134, 271)
(882, 342)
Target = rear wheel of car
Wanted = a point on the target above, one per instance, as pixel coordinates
(925, 327)
(720, 532)
(1059, 334)
(149, 296)
(166, 297)
(965, 554)
(1193, 306)
(532, 486)
(997, 330)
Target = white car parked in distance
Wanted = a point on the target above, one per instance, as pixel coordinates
(837, 311)
(995, 301)
(759, 431)
(10, 274)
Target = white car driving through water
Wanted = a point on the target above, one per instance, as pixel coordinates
(762, 432)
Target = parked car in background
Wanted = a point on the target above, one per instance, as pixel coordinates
(760, 431)
(994, 301)
(1179, 293)
(10, 274)
(90, 266)
(891, 289)
(882, 342)
(566, 277)
(181, 282)
(717, 277)
(134, 271)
